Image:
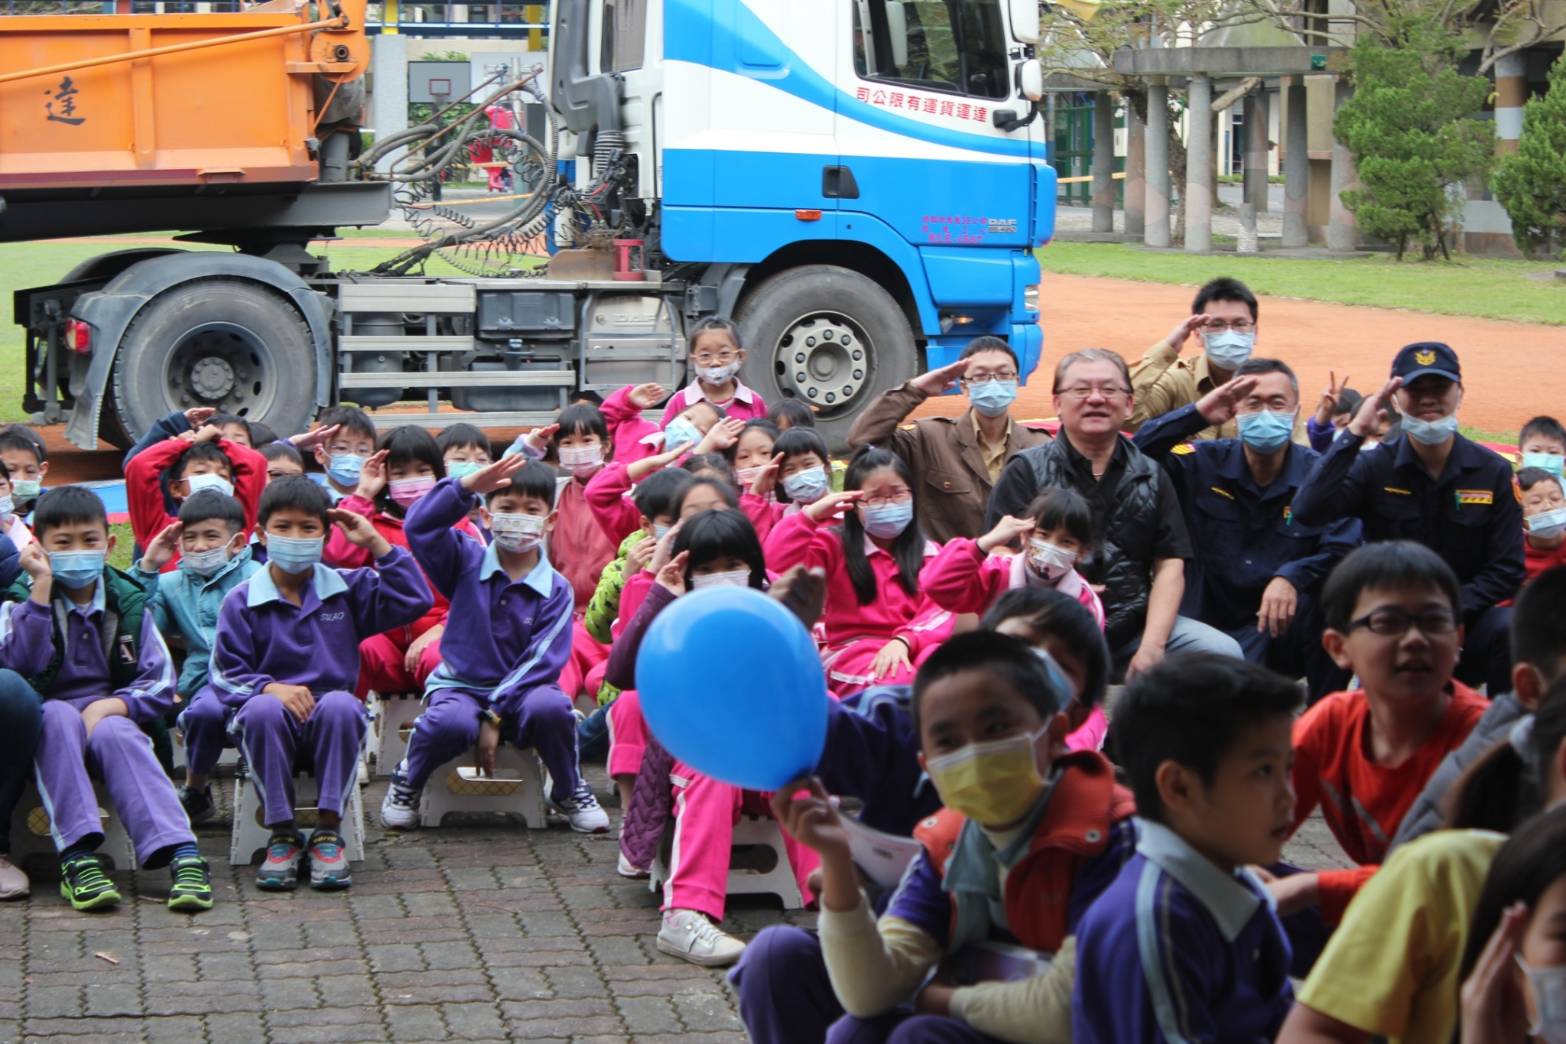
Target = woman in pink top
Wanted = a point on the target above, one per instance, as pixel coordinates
(717, 356)
(878, 626)
(1057, 532)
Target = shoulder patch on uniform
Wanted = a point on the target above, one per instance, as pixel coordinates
(1475, 496)
(1184, 448)
(1398, 490)
(1222, 492)
(1288, 514)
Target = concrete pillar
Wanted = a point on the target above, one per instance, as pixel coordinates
(1256, 119)
(389, 104)
(1511, 93)
(1136, 174)
(1342, 233)
(1199, 178)
(1155, 232)
(1103, 162)
(1296, 165)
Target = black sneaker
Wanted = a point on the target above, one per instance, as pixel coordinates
(197, 803)
(192, 884)
(83, 882)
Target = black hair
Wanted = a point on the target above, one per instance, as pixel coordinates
(1061, 508)
(1532, 859)
(261, 434)
(533, 479)
(210, 504)
(1528, 478)
(1348, 403)
(1191, 709)
(208, 450)
(796, 441)
(1504, 785)
(5, 472)
(1539, 625)
(1545, 427)
(907, 550)
(590, 397)
(1548, 733)
(721, 534)
(988, 343)
(715, 322)
(1255, 367)
(789, 414)
(222, 420)
(67, 505)
(1224, 289)
(1389, 565)
(461, 436)
(725, 490)
(282, 451)
(713, 462)
(718, 411)
(760, 424)
(659, 494)
(407, 444)
(293, 492)
(1009, 660)
(21, 437)
(349, 419)
(1051, 613)
(581, 418)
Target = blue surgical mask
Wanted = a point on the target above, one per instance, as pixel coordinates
(992, 398)
(76, 569)
(294, 554)
(1551, 462)
(1430, 433)
(1547, 524)
(806, 487)
(680, 432)
(26, 489)
(461, 469)
(1267, 431)
(205, 563)
(661, 530)
(887, 521)
(197, 483)
(1229, 349)
(344, 469)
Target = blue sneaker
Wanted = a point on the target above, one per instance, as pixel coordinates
(279, 872)
(328, 861)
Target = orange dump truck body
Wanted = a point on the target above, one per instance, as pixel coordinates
(222, 99)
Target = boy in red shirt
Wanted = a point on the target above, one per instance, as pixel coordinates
(203, 460)
(1364, 756)
(1544, 518)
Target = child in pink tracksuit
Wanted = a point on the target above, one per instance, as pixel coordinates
(717, 356)
(878, 625)
(713, 547)
(635, 437)
(1058, 533)
(609, 492)
(798, 475)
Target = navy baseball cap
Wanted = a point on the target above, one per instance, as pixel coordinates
(1416, 360)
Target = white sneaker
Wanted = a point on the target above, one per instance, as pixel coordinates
(690, 936)
(364, 774)
(400, 807)
(583, 811)
(13, 882)
(625, 868)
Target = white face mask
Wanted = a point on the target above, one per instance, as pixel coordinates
(717, 374)
(737, 578)
(1049, 562)
(580, 459)
(516, 532)
(747, 476)
(1547, 524)
(1548, 986)
(205, 563)
(197, 483)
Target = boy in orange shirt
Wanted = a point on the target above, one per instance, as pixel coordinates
(1364, 756)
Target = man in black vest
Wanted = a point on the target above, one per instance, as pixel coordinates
(1138, 566)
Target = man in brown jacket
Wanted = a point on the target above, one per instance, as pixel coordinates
(955, 459)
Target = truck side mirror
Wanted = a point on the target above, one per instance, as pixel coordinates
(1030, 79)
(1025, 21)
(897, 32)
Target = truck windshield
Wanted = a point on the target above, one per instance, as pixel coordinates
(943, 45)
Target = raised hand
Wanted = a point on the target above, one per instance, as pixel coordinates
(946, 378)
(665, 549)
(671, 576)
(358, 530)
(307, 441)
(639, 555)
(1375, 410)
(1220, 405)
(494, 476)
(34, 561)
(1006, 533)
(833, 504)
(1330, 397)
(207, 433)
(538, 438)
(162, 548)
(1188, 326)
(646, 396)
(372, 477)
(766, 479)
(811, 819)
(721, 435)
(196, 416)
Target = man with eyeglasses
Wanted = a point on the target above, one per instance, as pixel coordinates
(1258, 571)
(1224, 317)
(957, 459)
(1431, 485)
(1138, 566)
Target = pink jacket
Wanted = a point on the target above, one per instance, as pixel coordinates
(627, 428)
(799, 540)
(746, 404)
(962, 579)
(609, 496)
(764, 514)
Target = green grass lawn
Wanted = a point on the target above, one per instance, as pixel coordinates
(1488, 288)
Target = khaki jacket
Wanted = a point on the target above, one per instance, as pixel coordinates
(1163, 382)
(944, 455)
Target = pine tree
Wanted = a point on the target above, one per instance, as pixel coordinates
(1531, 182)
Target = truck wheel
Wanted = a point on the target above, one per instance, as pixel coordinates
(224, 343)
(828, 336)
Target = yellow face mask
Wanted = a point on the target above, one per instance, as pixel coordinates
(992, 783)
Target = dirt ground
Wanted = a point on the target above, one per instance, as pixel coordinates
(1512, 371)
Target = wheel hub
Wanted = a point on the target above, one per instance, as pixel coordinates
(212, 378)
(220, 364)
(823, 357)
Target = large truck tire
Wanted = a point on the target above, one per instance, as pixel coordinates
(828, 336)
(225, 343)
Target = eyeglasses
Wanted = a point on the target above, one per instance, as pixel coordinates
(1391, 622)
(986, 378)
(891, 498)
(1220, 325)
(708, 359)
(1081, 392)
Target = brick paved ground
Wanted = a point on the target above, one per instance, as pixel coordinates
(467, 933)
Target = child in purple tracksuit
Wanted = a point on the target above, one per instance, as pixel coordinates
(287, 656)
(80, 639)
(499, 681)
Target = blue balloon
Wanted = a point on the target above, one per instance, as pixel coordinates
(732, 685)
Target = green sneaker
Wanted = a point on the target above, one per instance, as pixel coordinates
(84, 883)
(191, 888)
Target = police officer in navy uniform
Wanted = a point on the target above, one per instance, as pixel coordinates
(1258, 569)
(1431, 485)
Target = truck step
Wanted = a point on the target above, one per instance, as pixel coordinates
(446, 418)
(460, 379)
(406, 295)
(399, 343)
